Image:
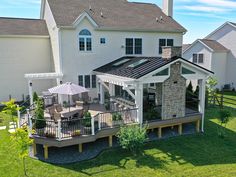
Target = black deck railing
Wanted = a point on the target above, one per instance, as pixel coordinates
(63, 129)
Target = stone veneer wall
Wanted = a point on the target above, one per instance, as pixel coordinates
(158, 94)
(174, 93)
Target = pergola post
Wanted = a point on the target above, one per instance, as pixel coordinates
(139, 103)
(30, 86)
(201, 106)
(102, 95)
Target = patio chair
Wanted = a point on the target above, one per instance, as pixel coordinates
(79, 103)
(57, 116)
(85, 97)
(51, 111)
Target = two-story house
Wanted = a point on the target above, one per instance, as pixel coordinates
(216, 52)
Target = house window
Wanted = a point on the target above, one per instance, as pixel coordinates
(81, 80)
(164, 72)
(87, 81)
(85, 40)
(164, 43)
(198, 58)
(187, 71)
(103, 40)
(133, 46)
(94, 81)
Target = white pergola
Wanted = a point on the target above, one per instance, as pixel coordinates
(128, 84)
(40, 76)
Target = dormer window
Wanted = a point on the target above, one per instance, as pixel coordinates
(85, 40)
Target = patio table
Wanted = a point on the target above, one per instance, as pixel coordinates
(66, 113)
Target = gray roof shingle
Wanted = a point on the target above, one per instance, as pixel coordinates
(214, 45)
(21, 26)
(117, 14)
(152, 64)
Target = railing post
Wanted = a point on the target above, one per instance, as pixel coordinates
(59, 130)
(99, 122)
(18, 115)
(30, 122)
(92, 126)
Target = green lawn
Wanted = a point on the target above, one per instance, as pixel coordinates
(195, 155)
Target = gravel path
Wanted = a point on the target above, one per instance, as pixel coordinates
(71, 154)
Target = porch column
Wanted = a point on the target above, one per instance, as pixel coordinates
(139, 103)
(201, 105)
(102, 95)
(111, 89)
(30, 86)
(60, 101)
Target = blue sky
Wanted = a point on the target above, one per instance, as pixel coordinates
(199, 17)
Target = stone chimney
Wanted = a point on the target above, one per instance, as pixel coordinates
(170, 52)
(167, 7)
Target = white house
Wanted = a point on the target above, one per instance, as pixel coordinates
(73, 37)
(216, 52)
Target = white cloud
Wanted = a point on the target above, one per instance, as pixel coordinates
(220, 3)
(205, 8)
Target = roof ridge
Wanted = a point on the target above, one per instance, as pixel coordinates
(19, 18)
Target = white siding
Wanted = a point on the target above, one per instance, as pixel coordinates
(199, 48)
(19, 56)
(77, 63)
(219, 61)
(227, 37)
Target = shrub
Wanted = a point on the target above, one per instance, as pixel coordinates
(35, 97)
(40, 122)
(190, 87)
(132, 138)
(116, 117)
(87, 119)
(76, 133)
(224, 118)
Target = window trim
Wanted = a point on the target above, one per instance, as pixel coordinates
(197, 59)
(134, 47)
(85, 41)
(166, 42)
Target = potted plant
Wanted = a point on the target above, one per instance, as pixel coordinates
(117, 119)
(40, 122)
(76, 133)
(87, 121)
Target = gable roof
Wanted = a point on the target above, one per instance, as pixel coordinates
(185, 46)
(212, 45)
(219, 28)
(151, 64)
(117, 15)
(22, 26)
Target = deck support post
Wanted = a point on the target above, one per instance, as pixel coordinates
(80, 148)
(180, 129)
(45, 151)
(34, 148)
(110, 141)
(159, 132)
(198, 126)
(139, 103)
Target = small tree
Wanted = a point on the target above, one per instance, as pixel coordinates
(39, 114)
(132, 138)
(224, 117)
(10, 108)
(23, 142)
(35, 97)
(210, 84)
(190, 87)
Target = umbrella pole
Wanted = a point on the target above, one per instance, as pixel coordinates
(69, 102)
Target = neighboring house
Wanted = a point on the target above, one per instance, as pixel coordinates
(216, 52)
(24, 48)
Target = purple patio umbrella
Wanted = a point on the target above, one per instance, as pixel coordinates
(68, 89)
